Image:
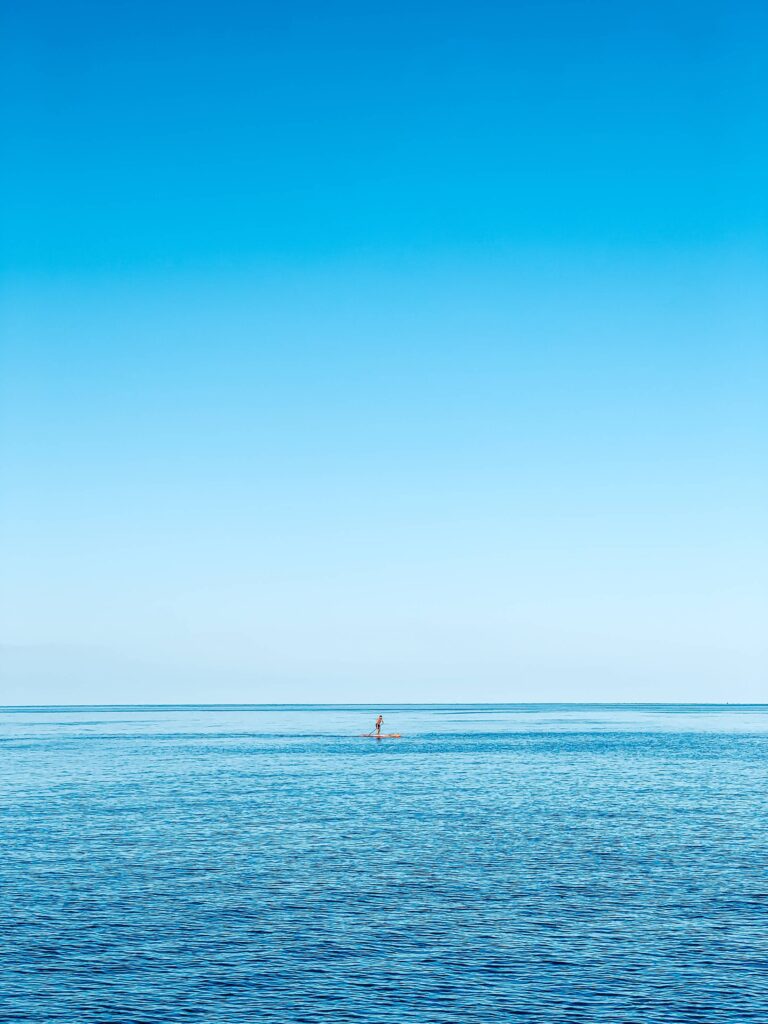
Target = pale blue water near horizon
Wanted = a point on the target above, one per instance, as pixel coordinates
(570, 863)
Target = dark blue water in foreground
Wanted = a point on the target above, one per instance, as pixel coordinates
(535, 863)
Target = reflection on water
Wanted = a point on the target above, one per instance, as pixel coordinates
(532, 863)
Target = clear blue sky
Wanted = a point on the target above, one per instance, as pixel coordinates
(358, 351)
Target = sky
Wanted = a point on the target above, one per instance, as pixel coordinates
(383, 352)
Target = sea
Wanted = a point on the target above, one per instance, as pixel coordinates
(515, 863)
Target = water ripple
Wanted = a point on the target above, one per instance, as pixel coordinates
(155, 871)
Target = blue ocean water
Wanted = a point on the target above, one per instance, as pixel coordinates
(499, 863)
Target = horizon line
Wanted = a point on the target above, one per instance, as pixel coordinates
(372, 704)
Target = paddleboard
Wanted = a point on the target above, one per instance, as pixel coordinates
(382, 736)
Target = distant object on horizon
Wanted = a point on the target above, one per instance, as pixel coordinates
(377, 733)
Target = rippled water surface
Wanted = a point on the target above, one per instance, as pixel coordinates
(515, 863)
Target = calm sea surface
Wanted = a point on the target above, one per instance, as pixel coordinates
(499, 863)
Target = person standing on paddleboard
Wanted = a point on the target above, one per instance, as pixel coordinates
(379, 723)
